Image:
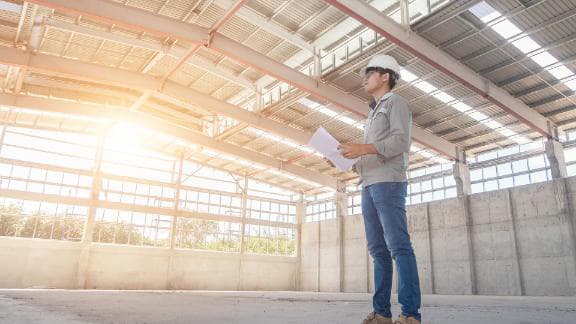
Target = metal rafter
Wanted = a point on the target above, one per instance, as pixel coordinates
(142, 20)
(53, 65)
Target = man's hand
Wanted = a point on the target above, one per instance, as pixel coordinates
(352, 151)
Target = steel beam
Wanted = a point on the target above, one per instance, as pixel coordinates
(141, 20)
(53, 65)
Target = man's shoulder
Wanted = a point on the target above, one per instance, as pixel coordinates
(397, 100)
(394, 97)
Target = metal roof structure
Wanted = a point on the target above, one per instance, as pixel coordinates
(241, 85)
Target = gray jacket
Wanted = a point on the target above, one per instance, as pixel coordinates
(388, 128)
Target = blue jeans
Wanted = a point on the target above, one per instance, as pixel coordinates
(384, 211)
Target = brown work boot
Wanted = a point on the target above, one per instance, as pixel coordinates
(406, 320)
(374, 318)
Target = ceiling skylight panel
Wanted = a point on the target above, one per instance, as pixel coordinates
(485, 12)
(425, 86)
(506, 29)
(571, 84)
(327, 112)
(526, 44)
(514, 136)
(347, 120)
(319, 108)
(330, 113)
(407, 76)
(477, 115)
(544, 59)
(560, 72)
(461, 107)
(493, 124)
(507, 132)
(265, 134)
(309, 103)
(521, 139)
(283, 141)
(444, 97)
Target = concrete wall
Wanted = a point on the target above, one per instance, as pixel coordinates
(42, 263)
(517, 241)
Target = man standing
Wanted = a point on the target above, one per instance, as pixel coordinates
(382, 169)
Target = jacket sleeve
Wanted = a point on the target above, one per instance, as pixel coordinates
(398, 140)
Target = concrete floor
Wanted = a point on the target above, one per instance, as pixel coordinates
(97, 306)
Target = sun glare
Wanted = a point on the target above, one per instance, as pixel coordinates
(127, 135)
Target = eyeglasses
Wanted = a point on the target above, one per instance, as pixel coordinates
(370, 72)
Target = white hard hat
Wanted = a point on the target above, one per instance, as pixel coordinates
(384, 62)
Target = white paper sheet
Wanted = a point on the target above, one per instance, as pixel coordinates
(327, 145)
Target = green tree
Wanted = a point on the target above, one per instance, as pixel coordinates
(192, 233)
(9, 219)
(39, 225)
(119, 233)
(270, 245)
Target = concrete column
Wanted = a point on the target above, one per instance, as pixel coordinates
(515, 249)
(84, 258)
(243, 214)
(430, 251)
(555, 155)
(470, 244)
(95, 193)
(300, 211)
(462, 177)
(242, 232)
(341, 203)
(177, 179)
(567, 215)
